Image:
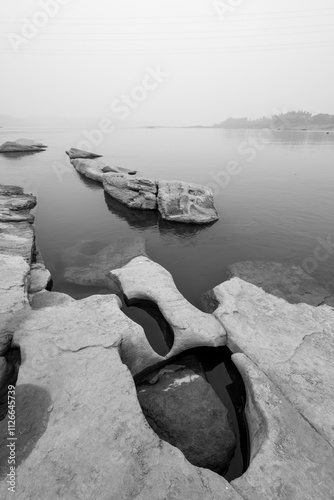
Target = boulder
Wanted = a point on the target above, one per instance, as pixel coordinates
(293, 344)
(186, 202)
(88, 265)
(22, 146)
(184, 410)
(287, 281)
(40, 278)
(142, 280)
(135, 192)
(75, 153)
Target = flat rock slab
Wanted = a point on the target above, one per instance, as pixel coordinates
(75, 153)
(144, 280)
(87, 264)
(81, 430)
(21, 146)
(138, 193)
(17, 238)
(290, 282)
(90, 168)
(289, 459)
(293, 344)
(184, 410)
(186, 202)
(16, 207)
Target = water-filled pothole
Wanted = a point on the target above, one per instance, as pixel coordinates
(160, 406)
(158, 332)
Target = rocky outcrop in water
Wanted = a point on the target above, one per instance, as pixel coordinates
(134, 192)
(185, 202)
(177, 201)
(75, 153)
(22, 146)
(184, 410)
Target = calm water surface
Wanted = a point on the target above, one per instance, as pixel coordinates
(276, 208)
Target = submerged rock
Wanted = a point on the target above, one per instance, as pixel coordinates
(186, 202)
(88, 265)
(75, 153)
(22, 146)
(283, 280)
(135, 192)
(184, 410)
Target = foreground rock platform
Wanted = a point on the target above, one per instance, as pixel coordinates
(81, 432)
(176, 201)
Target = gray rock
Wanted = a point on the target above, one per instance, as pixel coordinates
(75, 153)
(82, 431)
(184, 410)
(96, 169)
(185, 202)
(16, 207)
(144, 280)
(289, 459)
(135, 192)
(283, 280)
(90, 168)
(40, 278)
(21, 146)
(17, 238)
(293, 344)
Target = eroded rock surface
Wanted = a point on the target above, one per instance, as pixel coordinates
(290, 282)
(135, 193)
(143, 279)
(96, 169)
(293, 344)
(186, 202)
(289, 459)
(184, 410)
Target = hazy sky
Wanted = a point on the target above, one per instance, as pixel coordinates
(223, 58)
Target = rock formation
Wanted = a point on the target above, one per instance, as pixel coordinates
(184, 410)
(287, 281)
(176, 201)
(75, 153)
(185, 202)
(22, 146)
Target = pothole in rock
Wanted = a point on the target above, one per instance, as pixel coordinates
(196, 402)
(157, 330)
